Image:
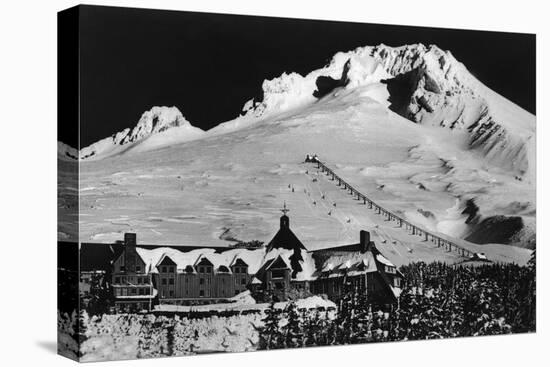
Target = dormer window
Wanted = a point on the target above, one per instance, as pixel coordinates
(390, 269)
(204, 266)
(239, 267)
(189, 269)
(138, 268)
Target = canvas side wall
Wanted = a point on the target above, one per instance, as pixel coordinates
(68, 275)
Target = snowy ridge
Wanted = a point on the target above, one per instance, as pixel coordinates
(426, 85)
(157, 127)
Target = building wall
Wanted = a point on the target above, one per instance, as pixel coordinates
(201, 287)
(129, 278)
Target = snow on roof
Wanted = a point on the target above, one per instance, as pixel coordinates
(307, 263)
(383, 260)
(355, 261)
(253, 258)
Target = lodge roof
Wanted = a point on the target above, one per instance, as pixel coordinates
(285, 238)
(185, 259)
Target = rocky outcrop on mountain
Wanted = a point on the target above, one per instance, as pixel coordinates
(154, 122)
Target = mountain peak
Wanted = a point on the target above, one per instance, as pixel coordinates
(152, 124)
(156, 120)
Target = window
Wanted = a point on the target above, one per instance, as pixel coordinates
(243, 281)
(141, 291)
(134, 291)
(171, 293)
(201, 293)
(122, 268)
(163, 269)
(390, 269)
(117, 280)
(138, 268)
(139, 280)
(163, 281)
(171, 269)
(397, 282)
(236, 270)
(171, 281)
(201, 281)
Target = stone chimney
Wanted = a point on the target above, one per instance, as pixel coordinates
(364, 241)
(130, 239)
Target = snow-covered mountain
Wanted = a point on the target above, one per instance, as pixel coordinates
(408, 125)
(160, 126)
(423, 84)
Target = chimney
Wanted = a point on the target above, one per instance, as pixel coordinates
(130, 239)
(364, 239)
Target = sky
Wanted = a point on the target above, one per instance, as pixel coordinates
(209, 65)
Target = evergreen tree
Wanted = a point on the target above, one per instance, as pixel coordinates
(83, 321)
(293, 330)
(270, 337)
(100, 298)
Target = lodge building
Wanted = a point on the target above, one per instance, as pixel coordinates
(284, 269)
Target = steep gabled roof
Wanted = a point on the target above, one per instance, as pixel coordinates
(285, 238)
(238, 261)
(278, 263)
(96, 256)
(165, 260)
(203, 260)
